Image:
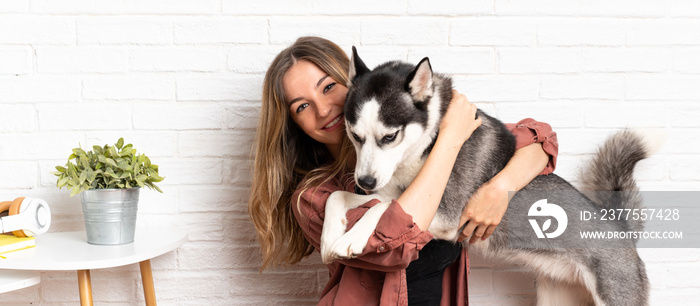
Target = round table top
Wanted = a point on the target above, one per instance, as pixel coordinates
(14, 280)
(63, 251)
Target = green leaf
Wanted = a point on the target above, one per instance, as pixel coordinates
(72, 171)
(91, 175)
(62, 182)
(60, 169)
(79, 151)
(111, 162)
(120, 143)
(84, 161)
(156, 178)
(128, 150)
(109, 173)
(75, 190)
(123, 164)
(83, 177)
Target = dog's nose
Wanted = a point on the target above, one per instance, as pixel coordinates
(367, 182)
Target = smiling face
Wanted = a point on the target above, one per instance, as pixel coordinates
(316, 103)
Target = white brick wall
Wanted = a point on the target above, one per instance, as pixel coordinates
(181, 80)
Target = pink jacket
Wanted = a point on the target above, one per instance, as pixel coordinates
(378, 275)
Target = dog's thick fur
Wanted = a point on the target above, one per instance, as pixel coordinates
(392, 114)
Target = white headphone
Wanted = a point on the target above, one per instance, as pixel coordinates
(27, 217)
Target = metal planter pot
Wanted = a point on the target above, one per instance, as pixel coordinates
(110, 215)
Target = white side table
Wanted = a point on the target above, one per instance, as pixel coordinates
(11, 280)
(67, 251)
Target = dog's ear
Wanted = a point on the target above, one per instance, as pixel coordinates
(357, 67)
(419, 82)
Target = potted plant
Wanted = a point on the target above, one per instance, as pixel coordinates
(108, 180)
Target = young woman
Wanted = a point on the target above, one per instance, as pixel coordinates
(303, 155)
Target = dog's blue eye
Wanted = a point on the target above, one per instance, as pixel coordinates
(302, 107)
(328, 87)
(389, 138)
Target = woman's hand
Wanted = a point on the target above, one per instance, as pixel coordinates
(488, 204)
(485, 209)
(460, 121)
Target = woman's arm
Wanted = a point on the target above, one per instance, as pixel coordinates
(536, 153)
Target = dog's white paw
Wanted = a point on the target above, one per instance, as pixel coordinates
(352, 243)
(332, 231)
(334, 225)
(335, 243)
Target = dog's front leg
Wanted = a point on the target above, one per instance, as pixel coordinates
(354, 241)
(335, 222)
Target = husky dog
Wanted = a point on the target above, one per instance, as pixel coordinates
(392, 115)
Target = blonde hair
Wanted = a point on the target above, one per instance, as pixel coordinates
(285, 156)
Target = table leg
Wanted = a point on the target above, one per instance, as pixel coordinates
(149, 291)
(85, 287)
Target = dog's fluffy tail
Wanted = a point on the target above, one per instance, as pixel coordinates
(608, 180)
